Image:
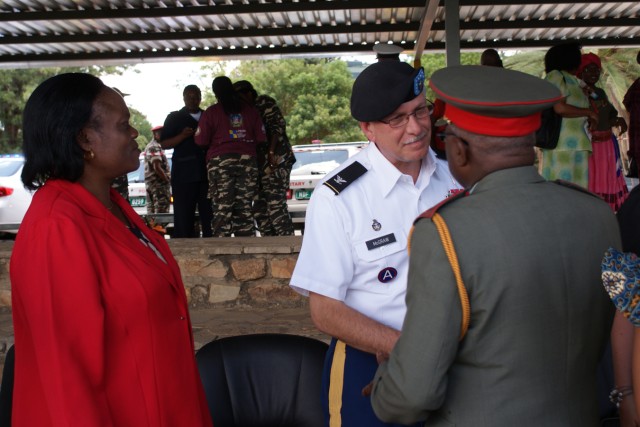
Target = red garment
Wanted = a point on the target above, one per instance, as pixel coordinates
(632, 104)
(605, 169)
(230, 134)
(102, 329)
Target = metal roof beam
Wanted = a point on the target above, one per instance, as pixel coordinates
(522, 2)
(221, 9)
(544, 23)
(426, 23)
(254, 52)
(211, 34)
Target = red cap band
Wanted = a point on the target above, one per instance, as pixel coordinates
(493, 126)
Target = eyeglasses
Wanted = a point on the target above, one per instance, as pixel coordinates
(420, 113)
(443, 135)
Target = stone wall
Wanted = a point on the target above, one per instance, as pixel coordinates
(219, 271)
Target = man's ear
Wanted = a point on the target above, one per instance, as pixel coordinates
(367, 129)
(457, 152)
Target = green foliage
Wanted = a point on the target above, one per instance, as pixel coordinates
(211, 70)
(142, 125)
(432, 62)
(313, 95)
(530, 62)
(15, 88)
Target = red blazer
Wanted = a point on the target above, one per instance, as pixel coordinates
(102, 329)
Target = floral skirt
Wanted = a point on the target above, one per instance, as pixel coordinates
(606, 177)
(569, 165)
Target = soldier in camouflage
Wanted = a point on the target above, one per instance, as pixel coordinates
(275, 159)
(156, 175)
(231, 129)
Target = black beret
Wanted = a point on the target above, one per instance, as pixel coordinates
(382, 87)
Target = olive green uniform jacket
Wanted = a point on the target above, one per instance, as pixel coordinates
(529, 253)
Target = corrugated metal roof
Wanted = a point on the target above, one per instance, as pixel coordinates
(48, 32)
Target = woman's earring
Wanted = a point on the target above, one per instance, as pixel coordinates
(89, 155)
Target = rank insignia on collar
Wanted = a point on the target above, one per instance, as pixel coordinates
(345, 177)
(454, 191)
(376, 225)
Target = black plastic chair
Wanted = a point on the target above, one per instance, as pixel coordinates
(263, 380)
(6, 389)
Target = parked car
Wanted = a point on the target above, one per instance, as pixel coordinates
(313, 162)
(14, 198)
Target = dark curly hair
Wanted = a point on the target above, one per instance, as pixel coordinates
(564, 57)
(53, 117)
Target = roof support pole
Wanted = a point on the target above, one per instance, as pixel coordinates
(426, 22)
(452, 31)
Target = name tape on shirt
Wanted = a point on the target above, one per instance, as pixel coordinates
(379, 242)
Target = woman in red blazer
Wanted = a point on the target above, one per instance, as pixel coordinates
(102, 329)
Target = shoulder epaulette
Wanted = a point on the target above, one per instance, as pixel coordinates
(345, 177)
(573, 186)
(429, 213)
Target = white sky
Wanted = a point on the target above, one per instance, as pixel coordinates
(155, 89)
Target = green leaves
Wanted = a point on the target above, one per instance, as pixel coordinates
(313, 95)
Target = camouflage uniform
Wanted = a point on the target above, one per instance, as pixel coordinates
(233, 183)
(121, 184)
(270, 206)
(158, 189)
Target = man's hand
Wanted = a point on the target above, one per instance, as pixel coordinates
(187, 132)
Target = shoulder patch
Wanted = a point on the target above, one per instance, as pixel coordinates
(345, 177)
(573, 186)
(431, 212)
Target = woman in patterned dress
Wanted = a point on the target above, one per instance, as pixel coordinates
(569, 161)
(605, 167)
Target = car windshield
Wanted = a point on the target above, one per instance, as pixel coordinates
(318, 162)
(9, 167)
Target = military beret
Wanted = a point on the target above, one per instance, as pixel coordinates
(493, 101)
(382, 87)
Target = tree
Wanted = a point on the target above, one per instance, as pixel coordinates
(432, 62)
(313, 95)
(211, 71)
(15, 88)
(142, 125)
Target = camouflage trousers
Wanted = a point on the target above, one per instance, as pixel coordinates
(270, 207)
(233, 182)
(158, 198)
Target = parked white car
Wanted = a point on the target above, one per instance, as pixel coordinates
(313, 162)
(14, 198)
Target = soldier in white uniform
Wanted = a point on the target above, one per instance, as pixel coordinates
(353, 263)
